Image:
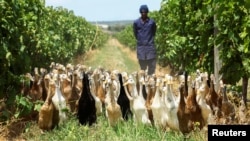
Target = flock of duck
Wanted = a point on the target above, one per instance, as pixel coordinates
(179, 103)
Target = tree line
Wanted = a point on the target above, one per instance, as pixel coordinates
(33, 35)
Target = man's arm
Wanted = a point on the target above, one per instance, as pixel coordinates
(134, 30)
(154, 28)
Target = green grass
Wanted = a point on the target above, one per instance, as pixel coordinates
(124, 131)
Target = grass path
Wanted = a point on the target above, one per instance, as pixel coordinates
(113, 55)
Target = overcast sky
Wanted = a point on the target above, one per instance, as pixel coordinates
(105, 10)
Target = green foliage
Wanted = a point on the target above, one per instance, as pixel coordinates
(187, 36)
(32, 35)
(24, 106)
(184, 32)
(126, 37)
(233, 40)
(37, 105)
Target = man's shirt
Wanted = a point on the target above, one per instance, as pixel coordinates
(144, 32)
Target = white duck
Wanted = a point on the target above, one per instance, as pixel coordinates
(202, 90)
(137, 101)
(98, 103)
(171, 104)
(59, 101)
(157, 103)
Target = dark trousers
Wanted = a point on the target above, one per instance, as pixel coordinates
(149, 65)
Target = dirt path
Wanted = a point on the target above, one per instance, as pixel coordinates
(114, 55)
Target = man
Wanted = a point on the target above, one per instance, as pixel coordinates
(144, 31)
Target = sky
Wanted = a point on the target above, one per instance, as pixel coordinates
(106, 10)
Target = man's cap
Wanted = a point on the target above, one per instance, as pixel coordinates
(143, 8)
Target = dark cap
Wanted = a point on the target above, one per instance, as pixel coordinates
(143, 8)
